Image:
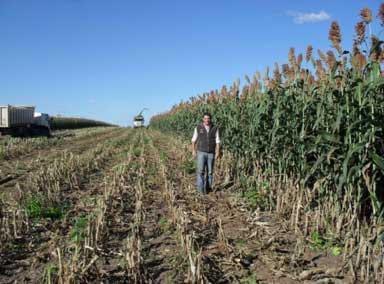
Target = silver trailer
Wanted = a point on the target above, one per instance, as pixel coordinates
(23, 121)
(11, 116)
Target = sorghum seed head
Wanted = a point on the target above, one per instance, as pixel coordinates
(308, 54)
(366, 15)
(381, 14)
(360, 32)
(299, 59)
(335, 34)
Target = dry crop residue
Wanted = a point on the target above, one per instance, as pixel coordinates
(133, 215)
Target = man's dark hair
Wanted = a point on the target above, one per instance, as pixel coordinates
(207, 114)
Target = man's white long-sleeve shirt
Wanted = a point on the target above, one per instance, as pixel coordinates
(195, 134)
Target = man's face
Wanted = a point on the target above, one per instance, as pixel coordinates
(206, 120)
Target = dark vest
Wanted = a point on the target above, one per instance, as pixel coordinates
(206, 141)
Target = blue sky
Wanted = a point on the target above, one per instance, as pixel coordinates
(109, 59)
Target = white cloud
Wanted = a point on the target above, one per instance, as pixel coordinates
(302, 18)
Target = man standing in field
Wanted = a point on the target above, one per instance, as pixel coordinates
(206, 148)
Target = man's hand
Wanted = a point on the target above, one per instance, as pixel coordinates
(193, 148)
(217, 152)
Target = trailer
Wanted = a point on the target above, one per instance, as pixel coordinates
(23, 121)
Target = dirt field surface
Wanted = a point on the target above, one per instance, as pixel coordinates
(120, 206)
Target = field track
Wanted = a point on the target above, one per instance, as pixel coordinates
(132, 215)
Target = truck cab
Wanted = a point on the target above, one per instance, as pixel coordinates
(42, 119)
(138, 121)
(42, 123)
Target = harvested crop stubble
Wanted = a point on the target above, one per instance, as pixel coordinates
(48, 201)
(12, 147)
